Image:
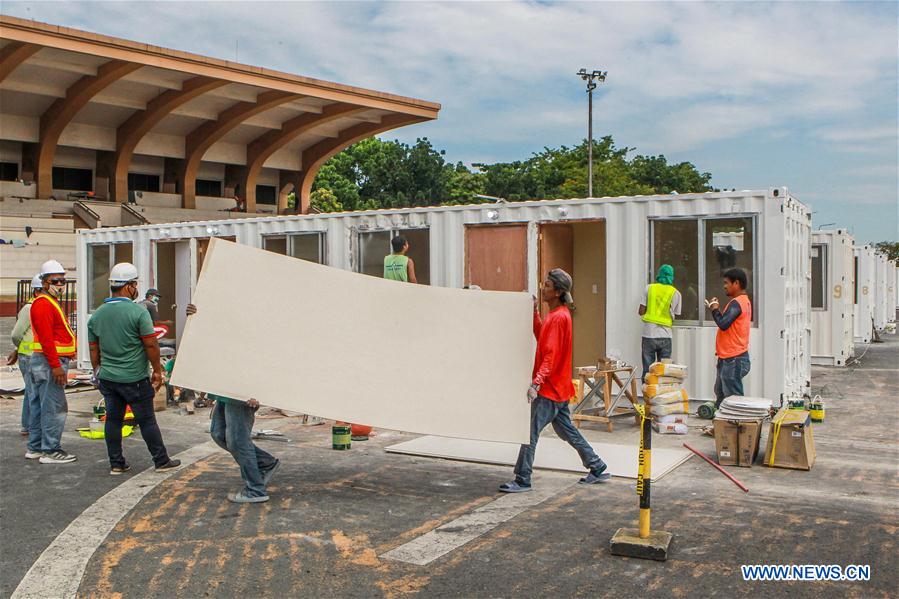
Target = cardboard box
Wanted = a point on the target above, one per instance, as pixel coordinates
(790, 441)
(737, 441)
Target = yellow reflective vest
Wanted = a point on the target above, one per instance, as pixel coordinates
(658, 304)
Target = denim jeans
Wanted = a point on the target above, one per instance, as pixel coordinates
(232, 429)
(48, 408)
(25, 369)
(139, 396)
(654, 349)
(545, 411)
(729, 376)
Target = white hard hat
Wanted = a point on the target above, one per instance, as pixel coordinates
(123, 272)
(36, 282)
(52, 267)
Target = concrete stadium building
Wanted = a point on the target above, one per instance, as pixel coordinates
(100, 131)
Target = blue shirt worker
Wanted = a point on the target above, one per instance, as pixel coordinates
(123, 346)
(232, 430)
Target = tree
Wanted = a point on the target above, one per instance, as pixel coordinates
(324, 200)
(888, 248)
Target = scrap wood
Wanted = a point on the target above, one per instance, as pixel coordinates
(720, 469)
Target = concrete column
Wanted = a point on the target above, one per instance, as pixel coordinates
(287, 181)
(172, 178)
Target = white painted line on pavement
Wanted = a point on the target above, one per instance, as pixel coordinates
(452, 535)
(58, 570)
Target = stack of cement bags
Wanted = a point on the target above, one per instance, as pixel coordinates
(666, 399)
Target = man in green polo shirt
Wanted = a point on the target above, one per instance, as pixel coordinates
(123, 346)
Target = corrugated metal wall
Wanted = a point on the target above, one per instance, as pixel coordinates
(832, 327)
(882, 295)
(779, 343)
(864, 293)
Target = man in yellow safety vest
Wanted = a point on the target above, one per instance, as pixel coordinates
(661, 303)
(23, 338)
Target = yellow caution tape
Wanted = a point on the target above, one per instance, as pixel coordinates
(775, 432)
(641, 410)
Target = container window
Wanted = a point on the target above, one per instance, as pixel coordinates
(275, 243)
(308, 246)
(729, 244)
(373, 246)
(676, 242)
(819, 277)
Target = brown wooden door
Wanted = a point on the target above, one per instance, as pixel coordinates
(496, 257)
(555, 249)
(203, 247)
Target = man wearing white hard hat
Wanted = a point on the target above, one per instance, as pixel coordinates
(22, 338)
(53, 348)
(123, 347)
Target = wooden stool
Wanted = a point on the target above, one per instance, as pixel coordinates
(600, 380)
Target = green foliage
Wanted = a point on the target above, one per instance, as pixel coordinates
(324, 200)
(389, 174)
(889, 248)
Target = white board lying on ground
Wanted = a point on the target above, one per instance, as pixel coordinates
(552, 454)
(323, 341)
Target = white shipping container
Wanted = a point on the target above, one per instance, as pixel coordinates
(863, 316)
(832, 297)
(895, 283)
(611, 245)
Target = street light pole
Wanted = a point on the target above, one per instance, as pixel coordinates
(592, 79)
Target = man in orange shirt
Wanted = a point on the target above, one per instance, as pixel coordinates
(732, 340)
(54, 348)
(551, 388)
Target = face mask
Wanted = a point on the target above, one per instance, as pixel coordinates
(55, 291)
(154, 300)
(134, 294)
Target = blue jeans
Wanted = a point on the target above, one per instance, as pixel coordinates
(48, 408)
(545, 411)
(654, 349)
(232, 430)
(139, 396)
(25, 369)
(729, 376)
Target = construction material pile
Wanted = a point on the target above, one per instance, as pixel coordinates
(737, 407)
(666, 398)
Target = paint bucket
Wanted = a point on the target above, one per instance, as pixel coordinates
(816, 410)
(340, 436)
(796, 404)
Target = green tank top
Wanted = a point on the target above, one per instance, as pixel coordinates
(395, 267)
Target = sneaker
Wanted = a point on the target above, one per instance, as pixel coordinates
(23, 432)
(597, 476)
(170, 465)
(57, 457)
(33, 455)
(116, 470)
(514, 487)
(241, 497)
(267, 475)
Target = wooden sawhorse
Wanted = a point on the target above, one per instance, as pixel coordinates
(601, 381)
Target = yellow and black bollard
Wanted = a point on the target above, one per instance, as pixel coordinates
(643, 542)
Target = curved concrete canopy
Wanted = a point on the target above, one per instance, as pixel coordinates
(114, 101)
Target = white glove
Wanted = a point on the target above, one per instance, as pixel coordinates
(532, 393)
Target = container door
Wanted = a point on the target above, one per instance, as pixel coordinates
(496, 257)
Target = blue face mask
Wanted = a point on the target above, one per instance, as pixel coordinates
(154, 299)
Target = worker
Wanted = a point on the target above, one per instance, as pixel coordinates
(52, 350)
(22, 338)
(397, 265)
(232, 430)
(151, 303)
(551, 388)
(661, 303)
(732, 340)
(123, 346)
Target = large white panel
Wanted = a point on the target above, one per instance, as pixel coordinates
(363, 349)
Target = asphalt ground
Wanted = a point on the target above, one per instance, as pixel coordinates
(333, 514)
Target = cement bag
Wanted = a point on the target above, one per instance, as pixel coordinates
(678, 371)
(671, 419)
(669, 429)
(678, 395)
(671, 408)
(653, 390)
(655, 379)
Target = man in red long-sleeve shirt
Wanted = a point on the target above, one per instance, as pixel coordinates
(551, 388)
(54, 347)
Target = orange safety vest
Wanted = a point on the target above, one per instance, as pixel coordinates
(735, 340)
(61, 349)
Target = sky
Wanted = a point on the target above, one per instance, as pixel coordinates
(803, 95)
